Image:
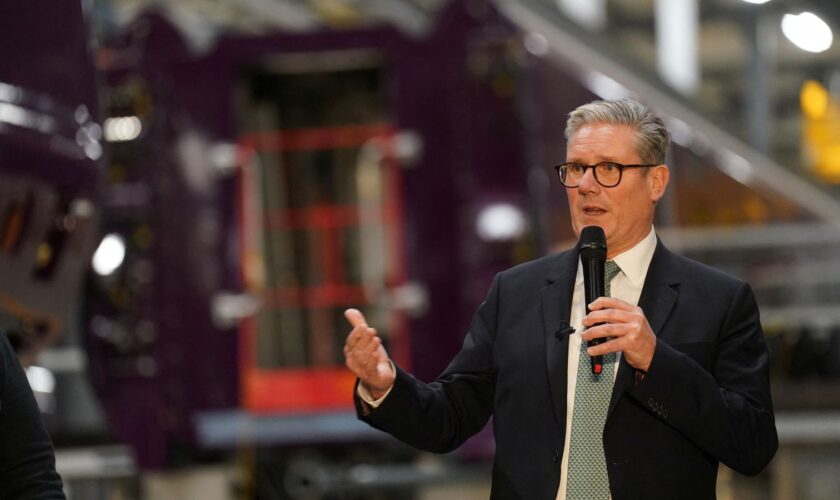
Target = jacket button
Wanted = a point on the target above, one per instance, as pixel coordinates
(556, 457)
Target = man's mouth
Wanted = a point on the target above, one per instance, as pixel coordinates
(593, 211)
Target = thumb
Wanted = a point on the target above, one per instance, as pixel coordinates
(355, 317)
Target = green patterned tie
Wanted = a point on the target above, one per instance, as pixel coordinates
(587, 471)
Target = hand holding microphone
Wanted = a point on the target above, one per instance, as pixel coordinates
(612, 324)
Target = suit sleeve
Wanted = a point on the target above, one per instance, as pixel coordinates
(27, 459)
(726, 412)
(441, 415)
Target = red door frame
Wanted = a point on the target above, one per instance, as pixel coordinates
(317, 388)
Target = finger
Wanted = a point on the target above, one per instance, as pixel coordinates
(610, 303)
(355, 317)
(606, 316)
(372, 346)
(363, 341)
(358, 338)
(603, 331)
(353, 339)
(604, 348)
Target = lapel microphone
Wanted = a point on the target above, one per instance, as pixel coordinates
(563, 329)
(593, 255)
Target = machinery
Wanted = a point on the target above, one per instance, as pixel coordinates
(50, 163)
(195, 212)
(260, 188)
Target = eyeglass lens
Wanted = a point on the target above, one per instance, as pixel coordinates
(607, 174)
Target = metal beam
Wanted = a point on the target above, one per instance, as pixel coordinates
(573, 46)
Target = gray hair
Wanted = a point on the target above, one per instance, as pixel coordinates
(652, 138)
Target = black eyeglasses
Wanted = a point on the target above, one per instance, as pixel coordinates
(607, 173)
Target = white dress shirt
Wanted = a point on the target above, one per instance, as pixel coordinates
(627, 286)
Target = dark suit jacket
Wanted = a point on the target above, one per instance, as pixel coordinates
(27, 460)
(705, 399)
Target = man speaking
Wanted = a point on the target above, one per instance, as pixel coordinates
(636, 395)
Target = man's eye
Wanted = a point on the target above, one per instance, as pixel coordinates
(608, 167)
(576, 169)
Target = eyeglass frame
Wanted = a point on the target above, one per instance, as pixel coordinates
(620, 166)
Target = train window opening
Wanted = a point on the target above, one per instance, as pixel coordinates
(326, 226)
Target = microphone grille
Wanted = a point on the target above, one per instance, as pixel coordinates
(593, 243)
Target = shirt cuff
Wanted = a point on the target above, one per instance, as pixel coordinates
(367, 397)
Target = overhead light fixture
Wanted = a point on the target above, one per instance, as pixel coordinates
(122, 128)
(757, 2)
(110, 255)
(501, 222)
(807, 31)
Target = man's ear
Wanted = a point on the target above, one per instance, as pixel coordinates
(658, 178)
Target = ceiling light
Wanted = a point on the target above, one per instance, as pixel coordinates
(807, 31)
(110, 254)
(501, 222)
(122, 128)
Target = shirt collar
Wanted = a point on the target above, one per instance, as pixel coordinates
(634, 263)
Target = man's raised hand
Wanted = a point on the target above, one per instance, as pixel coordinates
(366, 357)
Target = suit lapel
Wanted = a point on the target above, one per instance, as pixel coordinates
(659, 295)
(556, 298)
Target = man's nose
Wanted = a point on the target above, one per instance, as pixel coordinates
(588, 183)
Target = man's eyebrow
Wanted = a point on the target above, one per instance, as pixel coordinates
(598, 159)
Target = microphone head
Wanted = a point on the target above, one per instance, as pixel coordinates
(593, 244)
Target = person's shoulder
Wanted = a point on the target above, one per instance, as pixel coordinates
(542, 267)
(696, 271)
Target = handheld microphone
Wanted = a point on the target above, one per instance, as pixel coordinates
(593, 255)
